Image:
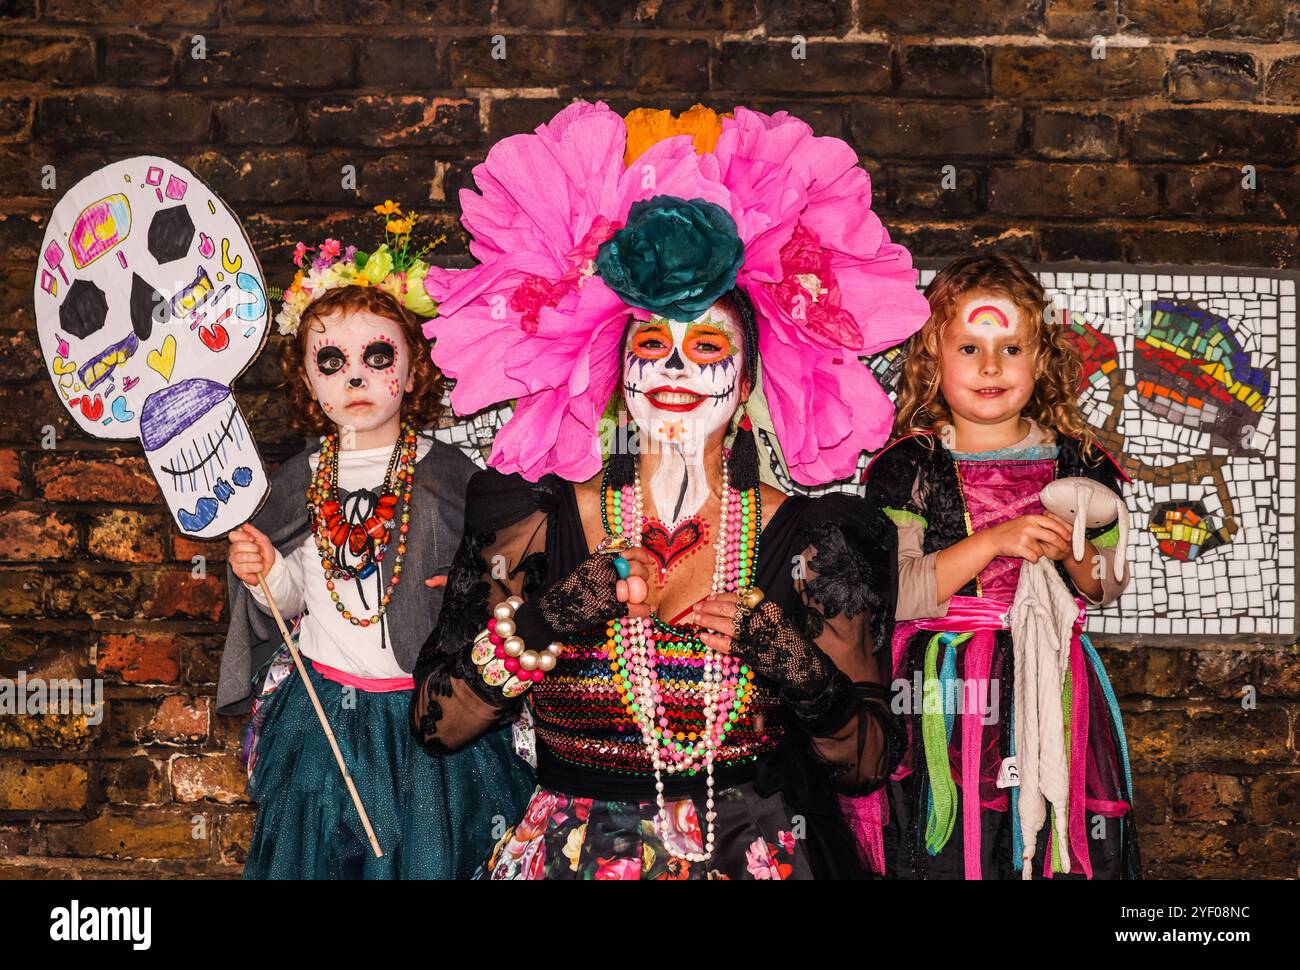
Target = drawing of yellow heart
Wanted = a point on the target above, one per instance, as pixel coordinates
(164, 362)
(62, 366)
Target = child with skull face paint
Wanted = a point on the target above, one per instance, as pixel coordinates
(354, 526)
(690, 643)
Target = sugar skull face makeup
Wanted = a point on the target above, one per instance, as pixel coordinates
(359, 367)
(681, 379)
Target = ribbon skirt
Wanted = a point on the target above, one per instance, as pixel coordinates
(966, 777)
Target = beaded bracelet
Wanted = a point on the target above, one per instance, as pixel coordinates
(503, 659)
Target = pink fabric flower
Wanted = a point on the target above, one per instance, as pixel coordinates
(531, 323)
(614, 868)
(826, 282)
(759, 861)
(299, 253)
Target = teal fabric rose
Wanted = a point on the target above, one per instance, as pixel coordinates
(672, 257)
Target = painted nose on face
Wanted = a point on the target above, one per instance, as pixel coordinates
(355, 382)
(674, 361)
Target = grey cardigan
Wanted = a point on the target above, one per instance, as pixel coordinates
(437, 521)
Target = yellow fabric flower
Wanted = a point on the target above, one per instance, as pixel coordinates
(389, 208)
(400, 227)
(646, 126)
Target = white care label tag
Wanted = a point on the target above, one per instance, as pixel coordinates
(1009, 773)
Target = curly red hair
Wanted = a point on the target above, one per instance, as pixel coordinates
(421, 408)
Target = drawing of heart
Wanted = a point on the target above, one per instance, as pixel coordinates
(93, 410)
(62, 366)
(206, 246)
(215, 339)
(667, 548)
(163, 362)
(120, 411)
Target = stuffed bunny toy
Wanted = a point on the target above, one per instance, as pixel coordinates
(1087, 505)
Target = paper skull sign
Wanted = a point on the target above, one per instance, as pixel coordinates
(149, 303)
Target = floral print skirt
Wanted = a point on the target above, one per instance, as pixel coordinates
(563, 837)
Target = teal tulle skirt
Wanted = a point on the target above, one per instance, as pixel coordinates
(434, 817)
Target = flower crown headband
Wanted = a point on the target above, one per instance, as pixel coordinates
(594, 217)
(393, 267)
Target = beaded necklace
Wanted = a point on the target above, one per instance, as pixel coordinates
(634, 646)
(353, 536)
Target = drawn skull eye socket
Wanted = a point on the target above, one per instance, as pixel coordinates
(330, 360)
(652, 342)
(380, 355)
(707, 345)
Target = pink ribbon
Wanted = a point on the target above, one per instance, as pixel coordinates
(372, 685)
(869, 814)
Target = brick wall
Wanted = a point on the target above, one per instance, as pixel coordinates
(1056, 154)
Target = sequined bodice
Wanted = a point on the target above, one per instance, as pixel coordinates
(583, 719)
(994, 491)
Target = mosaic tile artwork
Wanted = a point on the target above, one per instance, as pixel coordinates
(1190, 378)
(1189, 375)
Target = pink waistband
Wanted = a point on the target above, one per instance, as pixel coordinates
(373, 685)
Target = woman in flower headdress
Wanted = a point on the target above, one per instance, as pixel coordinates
(352, 525)
(689, 643)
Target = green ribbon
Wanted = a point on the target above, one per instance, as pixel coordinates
(934, 737)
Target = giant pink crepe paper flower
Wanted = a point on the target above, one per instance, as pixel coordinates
(826, 283)
(531, 322)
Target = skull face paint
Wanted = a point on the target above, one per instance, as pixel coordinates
(681, 378)
(681, 382)
(359, 368)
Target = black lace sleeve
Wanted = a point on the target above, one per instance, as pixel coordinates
(835, 588)
(818, 650)
(502, 553)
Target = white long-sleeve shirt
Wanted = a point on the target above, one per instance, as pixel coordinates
(298, 583)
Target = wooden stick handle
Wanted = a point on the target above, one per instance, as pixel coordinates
(320, 714)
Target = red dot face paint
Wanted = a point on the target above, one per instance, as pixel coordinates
(358, 368)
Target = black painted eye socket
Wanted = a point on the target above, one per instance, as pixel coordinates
(379, 355)
(330, 360)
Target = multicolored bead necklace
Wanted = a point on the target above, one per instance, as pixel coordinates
(351, 549)
(635, 645)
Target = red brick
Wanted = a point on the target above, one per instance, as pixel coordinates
(181, 718)
(140, 658)
(74, 479)
(28, 536)
(221, 778)
(10, 472)
(1205, 797)
(177, 593)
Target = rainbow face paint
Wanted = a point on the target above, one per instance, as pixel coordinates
(996, 315)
